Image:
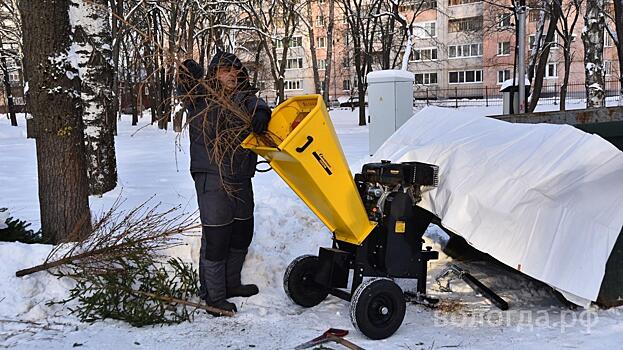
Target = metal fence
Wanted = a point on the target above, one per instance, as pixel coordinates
(487, 96)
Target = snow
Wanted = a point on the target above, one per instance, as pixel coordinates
(512, 82)
(155, 162)
(390, 75)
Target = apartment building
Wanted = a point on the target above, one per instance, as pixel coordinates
(461, 48)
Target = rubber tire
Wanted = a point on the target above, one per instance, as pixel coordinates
(298, 283)
(367, 298)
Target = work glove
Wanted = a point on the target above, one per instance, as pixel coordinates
(194, 68)
(260, 120)
(189, 76)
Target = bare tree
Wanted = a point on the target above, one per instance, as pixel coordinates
(617, 36)
(363, 21)
(593, 38)
(275, 24)
(308, 21)
(329, 58)
(10, 36)
(543, 56)
(61, 161)
(570, 13)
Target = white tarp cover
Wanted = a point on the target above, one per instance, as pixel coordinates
(544, 199)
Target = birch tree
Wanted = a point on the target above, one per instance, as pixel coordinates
(593, 39)
(50, 63)
(90, 22)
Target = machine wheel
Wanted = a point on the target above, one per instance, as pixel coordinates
(377, 308)
(299, 284)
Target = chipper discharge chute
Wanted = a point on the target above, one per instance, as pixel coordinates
(377, 227)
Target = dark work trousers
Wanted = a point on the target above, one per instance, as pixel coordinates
(227, 231)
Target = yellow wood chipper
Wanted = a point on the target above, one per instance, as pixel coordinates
(377, 227)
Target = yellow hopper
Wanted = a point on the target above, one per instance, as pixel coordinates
(302, 147)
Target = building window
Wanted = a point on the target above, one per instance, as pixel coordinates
(467, 50)
(607, 68)
(294, 63)
(322, 42)
(322, 64)
(551, 71)
(467, 76)
(505, 20)
(533, 15)
(504, 75)
(346, 85)
(470, 24)
(461, 2)
(421, 5)
(504, 48)
(18, 101)
(292, 85)
(426, 78)
(607, 39)
(319, 21)
(296, 41)
(425, 30)
(427, 54)
(345, 62)
(14, 76)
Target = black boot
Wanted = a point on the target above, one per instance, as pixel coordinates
(235, 288)
(214, 279)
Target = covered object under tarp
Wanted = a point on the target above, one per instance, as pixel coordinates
(544, 199)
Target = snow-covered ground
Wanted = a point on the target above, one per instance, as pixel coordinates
(155, 162)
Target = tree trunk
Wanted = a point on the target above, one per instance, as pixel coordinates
(312, 48)
(593, 39)
(329, 58)
(61, 161)
(618, 20)
(565, 82)
(537, 84)
(117, 8)
(7, 89)
(93, 42)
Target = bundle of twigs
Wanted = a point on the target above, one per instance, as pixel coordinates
(230, 118)
(119, 233)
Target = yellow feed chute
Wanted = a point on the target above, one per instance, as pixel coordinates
(302, 147)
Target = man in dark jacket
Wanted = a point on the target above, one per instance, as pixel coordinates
(223, 183)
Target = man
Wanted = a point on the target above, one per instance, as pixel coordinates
(222, 173)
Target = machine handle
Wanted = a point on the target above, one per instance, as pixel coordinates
(304, 147)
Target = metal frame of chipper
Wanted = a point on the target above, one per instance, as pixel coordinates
(377, 226)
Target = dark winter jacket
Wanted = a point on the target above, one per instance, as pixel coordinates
(207, 120)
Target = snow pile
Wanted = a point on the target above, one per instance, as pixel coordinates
(8, 132)
(544, 199)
